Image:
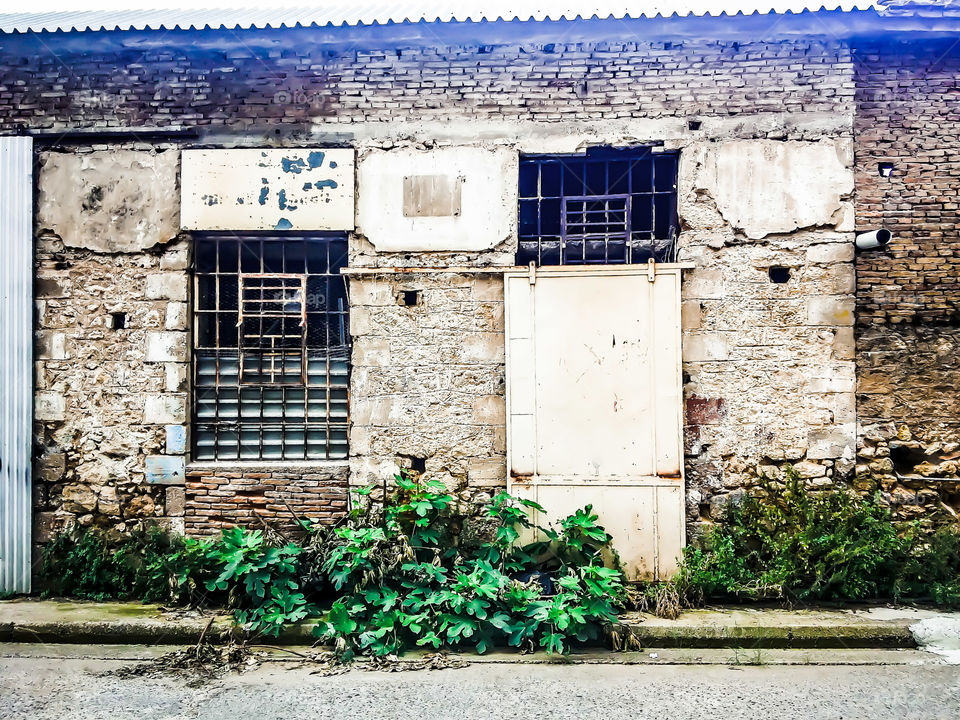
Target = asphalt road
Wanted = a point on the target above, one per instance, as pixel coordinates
(76, 689)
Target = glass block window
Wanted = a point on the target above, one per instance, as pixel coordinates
(270, 348)
(609, 206)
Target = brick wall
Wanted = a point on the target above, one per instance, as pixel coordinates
(222, 80)
(218, 497)
(908, 296)
(907, 114)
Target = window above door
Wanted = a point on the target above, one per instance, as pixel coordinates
(610, 206)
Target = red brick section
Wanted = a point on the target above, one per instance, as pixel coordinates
(908, 114)
(908, 297)
(224, 79)
(218, 499)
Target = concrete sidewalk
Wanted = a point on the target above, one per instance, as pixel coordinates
(51, 621)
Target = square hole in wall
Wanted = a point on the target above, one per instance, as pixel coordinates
(408, 298)
(779, 274)
(118, 320)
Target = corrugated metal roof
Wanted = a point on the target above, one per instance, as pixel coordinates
(353, 14)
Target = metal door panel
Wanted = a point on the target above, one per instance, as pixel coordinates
(593, 402)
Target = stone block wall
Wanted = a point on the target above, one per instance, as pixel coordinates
(908, 295)
(219, 497)
(767, 316)
(428, 379)
(768, 371)
(111, 340)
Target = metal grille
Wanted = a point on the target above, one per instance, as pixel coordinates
(609, 206)
(271, 348)
(273, 329)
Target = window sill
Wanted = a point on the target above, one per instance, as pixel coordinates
(265, 465)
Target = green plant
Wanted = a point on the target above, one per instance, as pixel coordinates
(261, 582)
(934, 569)
(406, 583)
(794, 543)
(83, 563)
(238, 569)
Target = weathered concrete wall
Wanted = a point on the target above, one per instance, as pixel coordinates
(768, 187)
(480, 194)
(768, 366)
(112, 342)
(110, 200)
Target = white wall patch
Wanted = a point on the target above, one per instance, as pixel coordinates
(446, 199)
(276, 189)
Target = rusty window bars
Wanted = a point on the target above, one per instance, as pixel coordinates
(608, 206)
(271, 348)
(273, 353)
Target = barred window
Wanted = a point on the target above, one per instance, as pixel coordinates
(608, 206)
(271, 348)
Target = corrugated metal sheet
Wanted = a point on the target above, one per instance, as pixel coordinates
(16, 360)
(353, 14)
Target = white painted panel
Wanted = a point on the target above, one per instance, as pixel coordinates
(272, 189)
(606, 427)
(595, 401)
(671, 528)
(487, 182)
(667, 387)
(642, 520)
(16, 361)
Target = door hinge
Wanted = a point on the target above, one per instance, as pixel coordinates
(651, 270)
(533, 273)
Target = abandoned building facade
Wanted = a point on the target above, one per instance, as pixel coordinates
(607, 261)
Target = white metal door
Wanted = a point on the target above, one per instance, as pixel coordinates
(16, 363)
(593, 402)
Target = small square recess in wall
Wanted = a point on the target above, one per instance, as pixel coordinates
(431, 195)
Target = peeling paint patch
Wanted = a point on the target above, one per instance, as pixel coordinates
(111, 200)
(314, 189)
(764, 187)
(293, 165)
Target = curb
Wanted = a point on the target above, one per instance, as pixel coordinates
(874, 635)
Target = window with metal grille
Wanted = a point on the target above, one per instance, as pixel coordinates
(271, 348)
(608, 206)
